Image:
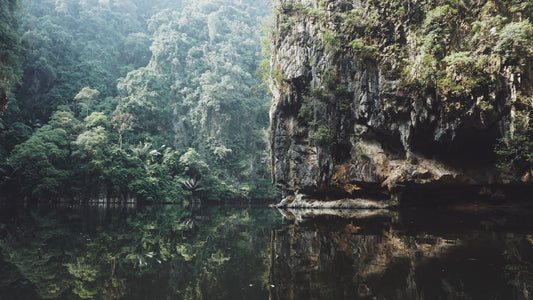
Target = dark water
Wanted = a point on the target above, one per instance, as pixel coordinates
(168, 252)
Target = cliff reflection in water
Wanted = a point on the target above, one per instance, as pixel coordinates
(403, 255)
(171, 252)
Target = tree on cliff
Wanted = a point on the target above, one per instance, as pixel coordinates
(11, 50)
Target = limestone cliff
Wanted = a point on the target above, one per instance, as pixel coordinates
(375, 97)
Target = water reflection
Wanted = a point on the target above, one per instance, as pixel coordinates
(413, 254)
(159, 252)
(170, 252)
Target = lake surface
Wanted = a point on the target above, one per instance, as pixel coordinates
(170, 252)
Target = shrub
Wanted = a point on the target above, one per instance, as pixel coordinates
(321, 136)
(363, 51)
(515, 42)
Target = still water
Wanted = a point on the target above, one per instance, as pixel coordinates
(170, 252)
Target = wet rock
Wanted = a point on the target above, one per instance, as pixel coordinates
(301, 201)
(302, 214)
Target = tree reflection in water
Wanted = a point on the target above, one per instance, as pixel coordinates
(157, 252)
(170, 252)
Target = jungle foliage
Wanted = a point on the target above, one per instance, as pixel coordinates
(137, 99)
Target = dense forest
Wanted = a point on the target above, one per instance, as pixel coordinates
(117, 99)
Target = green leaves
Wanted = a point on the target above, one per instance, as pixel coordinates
(363, 51)
(515, 43)
(322, 136)
(86, 98)
(11, 50)
(464, 73)
(184, 81)
(41, 161)
(515, 154)
(192, 164)
(92, 142)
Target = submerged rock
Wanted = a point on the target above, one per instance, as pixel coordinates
(300, 201)
(304, 214)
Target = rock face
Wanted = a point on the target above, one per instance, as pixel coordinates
(371, 97)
